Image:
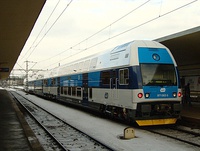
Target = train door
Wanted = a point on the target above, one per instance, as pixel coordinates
(114, 85)
(49, 86)
(42, 86)
(58, 87)
(85, 88)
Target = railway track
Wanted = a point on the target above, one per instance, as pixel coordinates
(178, 133)
(57, 134)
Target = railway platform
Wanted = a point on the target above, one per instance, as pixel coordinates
(15, 134)
(190, 114)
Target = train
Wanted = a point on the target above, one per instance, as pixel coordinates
(137, 81)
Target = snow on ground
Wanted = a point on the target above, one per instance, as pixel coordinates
(108, 131)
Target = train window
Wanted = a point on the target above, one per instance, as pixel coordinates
(105, 77)
(76, 67)
(81, 65)
(65, 90)
(74, 91)
(93, 63)
(158, 74)
(45, 82)
(69, 91)
(61, 90)
(53, 81)
(124, 76)
(78, 91)
(90, 93)
(86, 65)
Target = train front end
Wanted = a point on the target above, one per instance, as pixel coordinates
(159, 96)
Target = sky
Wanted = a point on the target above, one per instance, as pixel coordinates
(67, 30)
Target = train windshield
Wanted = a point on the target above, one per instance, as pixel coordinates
(158, 74)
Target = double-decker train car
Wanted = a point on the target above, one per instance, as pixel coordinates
(136, 81)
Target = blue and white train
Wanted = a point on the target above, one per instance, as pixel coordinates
(137, 81)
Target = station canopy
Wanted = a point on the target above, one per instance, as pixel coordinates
(185, 47)
(17, 19)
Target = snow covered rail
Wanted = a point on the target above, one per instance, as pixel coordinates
(66, 136)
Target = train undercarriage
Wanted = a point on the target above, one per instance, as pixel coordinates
(156, 113)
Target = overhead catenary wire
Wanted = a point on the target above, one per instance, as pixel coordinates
(41, 29)
(50, 27)
(130, 29)
(146, 22)
(108, 26)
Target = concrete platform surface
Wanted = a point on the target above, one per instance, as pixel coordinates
(190, 114)
(15, 134)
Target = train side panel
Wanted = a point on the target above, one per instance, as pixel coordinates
(136, 81)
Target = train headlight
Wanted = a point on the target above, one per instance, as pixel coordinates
(147, 95)
(140, 95)
(174, 94)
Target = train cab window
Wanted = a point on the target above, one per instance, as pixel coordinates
(124, 76)
(158, 74)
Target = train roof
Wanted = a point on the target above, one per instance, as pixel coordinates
(118, 56)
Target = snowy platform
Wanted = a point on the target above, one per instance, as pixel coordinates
(109, 132)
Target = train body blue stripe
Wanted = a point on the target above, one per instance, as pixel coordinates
(112, 83)
(94, 79)
(146, 55)
(72, 80)
(157, 92)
